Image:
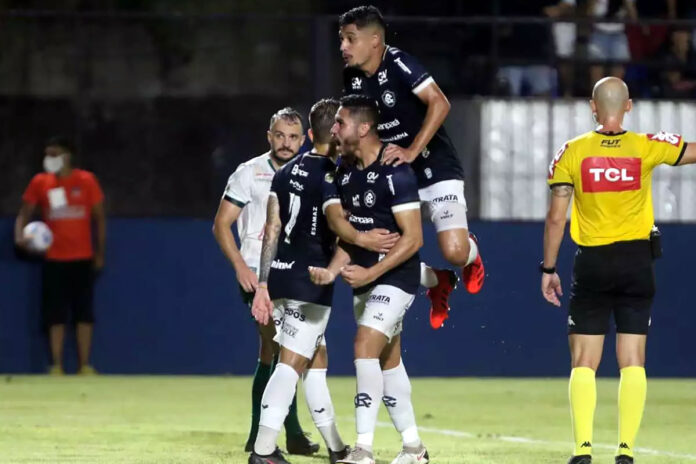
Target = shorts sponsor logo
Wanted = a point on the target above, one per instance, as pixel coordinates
(361, 220)
(282, 266)
(298, 171)
(672, 139)
(299, 187)
(446, 214)
(370, 198)
(389, 98)
(290, 312)
(382, 299)
(289, 330)
(363, 400)
(388, 125)
(451, 198)
(606, 174)
(372, 177)
(378, 317)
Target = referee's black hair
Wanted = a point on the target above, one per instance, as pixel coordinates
(62, 142)
(321, 119)
(362, 16)
(363, 108)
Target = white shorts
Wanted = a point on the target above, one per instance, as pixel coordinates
(300, 326)
(382, 308)
(445, 205)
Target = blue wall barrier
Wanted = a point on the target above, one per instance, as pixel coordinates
(167, 303)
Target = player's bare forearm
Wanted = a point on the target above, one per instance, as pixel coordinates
(226, 215)
(339, 225)
(23, 217)
(269, 248)
(339, 259)
(438, 108)
(689, 156)
(555, 222)
(408, 244)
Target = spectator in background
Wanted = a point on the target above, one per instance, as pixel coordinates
(69, 200)
(532, 42)
(564, 35)
(608, 41)
(679, 77)
(682, 37)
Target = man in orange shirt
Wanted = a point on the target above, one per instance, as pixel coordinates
(69, 200)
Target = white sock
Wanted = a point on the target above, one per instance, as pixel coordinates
(397, 399)
(370, 388)
(473, 251)
(321, 408)
(428, 278)
(275, 405)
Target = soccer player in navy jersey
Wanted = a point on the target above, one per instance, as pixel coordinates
(296, 239)
(376, 195)
(412, 109)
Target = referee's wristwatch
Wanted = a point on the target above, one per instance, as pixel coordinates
(546, 270)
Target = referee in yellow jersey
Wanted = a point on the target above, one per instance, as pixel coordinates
(608, 171)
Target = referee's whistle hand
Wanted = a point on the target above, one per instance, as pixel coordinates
(551, 288)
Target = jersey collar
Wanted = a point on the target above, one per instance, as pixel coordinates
(610, 134)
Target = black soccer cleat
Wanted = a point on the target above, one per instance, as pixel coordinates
(336, 455)
(300, 444)
(623, 459)
(581, 459)
(275, 458)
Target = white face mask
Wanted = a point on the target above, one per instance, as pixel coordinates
(53, 164)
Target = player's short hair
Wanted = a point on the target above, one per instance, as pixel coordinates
(321, 119)
(361, 16)
(362, 108)
(61, 141)
(287, 114)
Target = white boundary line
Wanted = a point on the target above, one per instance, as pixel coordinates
(532, 441)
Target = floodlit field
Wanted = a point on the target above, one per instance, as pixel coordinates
(137, 419)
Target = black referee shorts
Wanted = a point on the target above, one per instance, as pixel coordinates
(616, 279)
(67, 289)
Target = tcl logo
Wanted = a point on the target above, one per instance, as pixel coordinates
(604, 174)
(672, 139)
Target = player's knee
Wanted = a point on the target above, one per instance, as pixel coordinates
(585, 360)
(457, 253)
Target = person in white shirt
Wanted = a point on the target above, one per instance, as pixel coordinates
(244, 203)
(608, 41)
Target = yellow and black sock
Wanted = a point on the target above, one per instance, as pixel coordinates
(582, 391)
(632, 391)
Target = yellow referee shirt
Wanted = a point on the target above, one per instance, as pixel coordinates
(612, 175)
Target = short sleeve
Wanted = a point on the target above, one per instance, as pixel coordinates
(560, 168)
(403, 187)
(96, 194)
(238, 189)
(329, 191)
(411, 71)
(664, 148)
(32, 194)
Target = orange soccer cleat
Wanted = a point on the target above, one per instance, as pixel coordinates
(474, 274)
(439, 296)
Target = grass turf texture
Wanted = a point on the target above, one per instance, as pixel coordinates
(111, 419)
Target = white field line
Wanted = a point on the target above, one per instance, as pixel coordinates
(533, 441)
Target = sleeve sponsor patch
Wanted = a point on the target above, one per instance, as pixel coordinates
(666, 137)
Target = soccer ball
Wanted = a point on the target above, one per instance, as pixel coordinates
(39, 236)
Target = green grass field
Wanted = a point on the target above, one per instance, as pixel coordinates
(110, 419)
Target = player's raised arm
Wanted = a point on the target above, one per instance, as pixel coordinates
(438, 108)
(262, 307)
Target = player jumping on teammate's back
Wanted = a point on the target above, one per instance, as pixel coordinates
(412, 109)
(608, 171)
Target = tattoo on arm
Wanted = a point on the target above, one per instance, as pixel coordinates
(562, 191)
(270, 238)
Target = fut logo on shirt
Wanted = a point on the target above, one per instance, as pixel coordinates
(672, 139)
(605, 174)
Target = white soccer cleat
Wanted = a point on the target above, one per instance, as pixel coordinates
(407, 457)
(358, 456)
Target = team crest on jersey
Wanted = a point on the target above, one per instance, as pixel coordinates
(356, 83)
(370, 198)
(425, 153)
(329, 177)
(382, 77)
(389, 98)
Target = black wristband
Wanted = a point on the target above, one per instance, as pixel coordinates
(546, 270)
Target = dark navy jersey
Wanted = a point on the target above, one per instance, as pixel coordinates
(394, 86)
(371, 196)
(305, 238)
